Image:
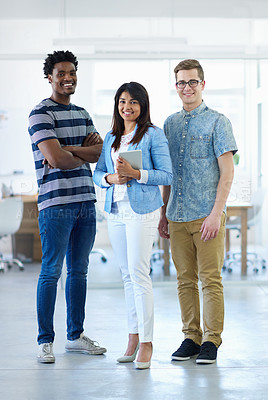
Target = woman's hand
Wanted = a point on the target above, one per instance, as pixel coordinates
(116, 179)
(124, 169)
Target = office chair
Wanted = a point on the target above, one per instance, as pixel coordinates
(11, 211)
(254, 217)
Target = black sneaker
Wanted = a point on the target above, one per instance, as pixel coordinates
(208, 353)
(187, 349)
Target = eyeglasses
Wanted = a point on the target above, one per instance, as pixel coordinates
(192, 83)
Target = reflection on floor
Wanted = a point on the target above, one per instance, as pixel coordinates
(240, 372)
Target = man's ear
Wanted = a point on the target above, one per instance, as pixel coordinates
(49, 77)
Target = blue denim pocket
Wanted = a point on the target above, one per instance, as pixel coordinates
(199, 147)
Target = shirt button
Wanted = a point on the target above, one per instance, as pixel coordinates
(179, 194)
(128, 185)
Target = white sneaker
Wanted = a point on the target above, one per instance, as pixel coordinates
(84, 345)
(46, 353)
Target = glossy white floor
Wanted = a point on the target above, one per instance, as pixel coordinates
(240, 372)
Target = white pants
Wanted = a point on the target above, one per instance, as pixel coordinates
(132, 236)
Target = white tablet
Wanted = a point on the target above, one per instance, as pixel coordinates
(134, 157)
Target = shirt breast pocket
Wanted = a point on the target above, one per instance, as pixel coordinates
(199, 147)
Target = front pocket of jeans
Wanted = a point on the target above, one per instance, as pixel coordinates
(200, 146)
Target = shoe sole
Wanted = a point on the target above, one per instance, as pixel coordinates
(205, 361)
(180, 358)
(93, 352)
(175, 358)
(124, 359)
(42, 361)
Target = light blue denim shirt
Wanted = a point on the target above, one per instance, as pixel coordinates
(196, 140)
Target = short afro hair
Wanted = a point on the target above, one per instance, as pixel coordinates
(56, 57)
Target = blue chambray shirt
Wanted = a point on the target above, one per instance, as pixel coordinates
(196, 140)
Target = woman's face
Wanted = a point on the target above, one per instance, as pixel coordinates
(128, 107)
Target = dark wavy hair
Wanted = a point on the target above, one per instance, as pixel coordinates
(139, 93)
(56, 57)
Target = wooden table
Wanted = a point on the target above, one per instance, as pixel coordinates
(28, 230)
(239, 210)
(236, 209)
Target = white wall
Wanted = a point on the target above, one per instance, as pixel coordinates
(24, 44)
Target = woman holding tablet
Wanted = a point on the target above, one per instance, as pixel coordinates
(133, 200)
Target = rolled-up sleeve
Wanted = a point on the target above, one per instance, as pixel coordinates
(161, 174)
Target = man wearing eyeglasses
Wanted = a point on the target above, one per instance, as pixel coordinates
(201, 145)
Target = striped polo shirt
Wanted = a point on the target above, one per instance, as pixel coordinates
(70, 125)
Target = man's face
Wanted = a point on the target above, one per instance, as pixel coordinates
(63, 81)
(191, 96)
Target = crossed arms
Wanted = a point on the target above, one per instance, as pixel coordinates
(69, 157)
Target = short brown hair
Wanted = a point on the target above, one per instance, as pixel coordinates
(190, 64)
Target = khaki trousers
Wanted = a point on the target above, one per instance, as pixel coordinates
(195, 259)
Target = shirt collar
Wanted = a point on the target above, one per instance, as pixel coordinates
(195, 111)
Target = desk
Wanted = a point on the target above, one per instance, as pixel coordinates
(239, 210)
(29, 230)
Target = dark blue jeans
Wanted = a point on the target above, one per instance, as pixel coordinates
(65, 230)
